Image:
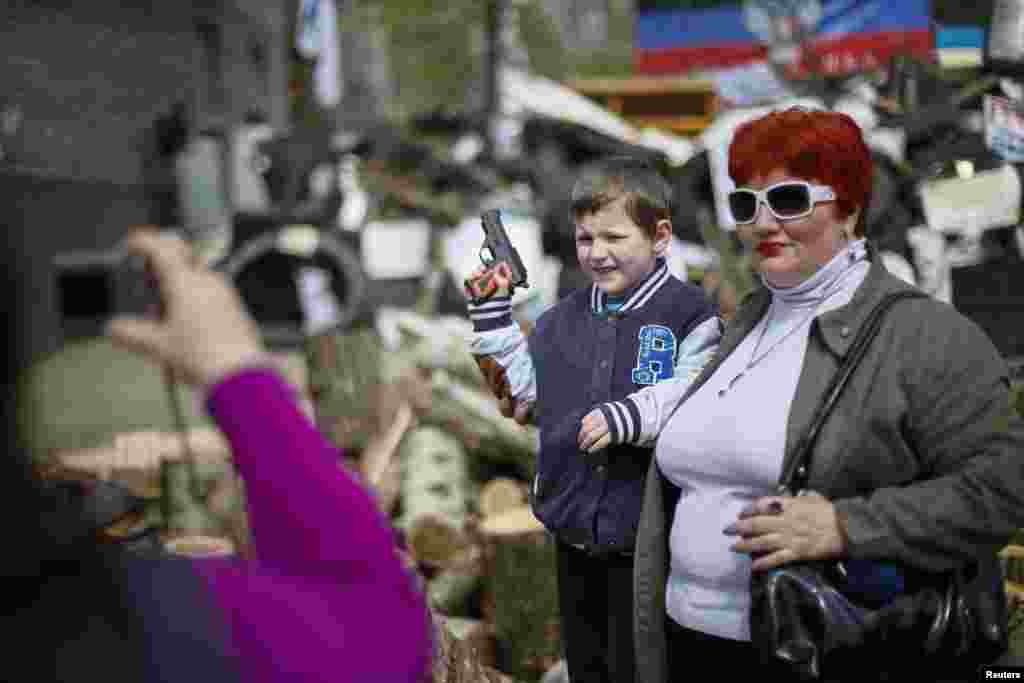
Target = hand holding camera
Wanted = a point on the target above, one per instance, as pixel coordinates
(204, 332)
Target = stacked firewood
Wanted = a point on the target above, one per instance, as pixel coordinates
(460, 499)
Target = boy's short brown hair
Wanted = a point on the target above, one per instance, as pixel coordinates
(649, 196)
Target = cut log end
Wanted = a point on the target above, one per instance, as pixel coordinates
(501, 494)
(434, 541)
(512, 522)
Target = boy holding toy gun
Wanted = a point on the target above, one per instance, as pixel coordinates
(599, 374)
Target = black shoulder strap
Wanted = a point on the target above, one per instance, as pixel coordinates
(796, 475)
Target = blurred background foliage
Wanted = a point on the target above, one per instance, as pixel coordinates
(438, 50)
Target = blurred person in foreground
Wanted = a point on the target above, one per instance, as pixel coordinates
(325, 597)
(921, 462)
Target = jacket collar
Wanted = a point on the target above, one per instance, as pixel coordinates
(640, 295)
(837, 328)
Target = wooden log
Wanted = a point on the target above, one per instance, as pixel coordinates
(469, 414)
(344, 382)
(184, 502)
(436, 488)
(1012, 559)
(474, 416)
(462, 660)
(226, 503)
(153, 464)
(521, 596)
(134, 459)
(197, 545)
(476, 638)
(451, 589)
(559, 673)
(433, 343)
(145, 450)
(434, 541)
(500, 494)
(430, 361)
(379, 462)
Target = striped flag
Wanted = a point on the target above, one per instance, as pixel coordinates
(831, 36)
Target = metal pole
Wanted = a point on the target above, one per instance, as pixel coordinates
(492, 107)
(278, 109)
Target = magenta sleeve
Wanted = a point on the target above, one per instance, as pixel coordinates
(326, 596)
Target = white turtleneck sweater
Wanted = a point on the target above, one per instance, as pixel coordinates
(723, 451)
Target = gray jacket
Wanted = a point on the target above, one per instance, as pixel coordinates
(922, 454)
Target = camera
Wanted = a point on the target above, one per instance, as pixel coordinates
(94, 286)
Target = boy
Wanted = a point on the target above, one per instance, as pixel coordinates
(629, 344)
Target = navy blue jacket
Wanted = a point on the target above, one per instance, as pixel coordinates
(583, 357)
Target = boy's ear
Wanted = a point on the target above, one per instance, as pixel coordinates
(662, 236)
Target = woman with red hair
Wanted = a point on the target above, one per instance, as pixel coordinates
(919, 464)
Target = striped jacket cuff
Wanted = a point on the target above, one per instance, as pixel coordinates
(492, 314)
(623, 418)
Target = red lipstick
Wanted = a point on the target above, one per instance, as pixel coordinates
(769, 249)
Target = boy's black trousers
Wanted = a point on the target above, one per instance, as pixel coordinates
(595, 596)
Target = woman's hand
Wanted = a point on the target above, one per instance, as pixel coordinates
(778, 530)
(594, 433)
(205, 332)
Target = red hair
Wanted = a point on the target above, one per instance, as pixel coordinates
(821, 146)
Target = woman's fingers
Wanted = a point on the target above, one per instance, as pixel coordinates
(167, 255)
(760, 544)
(138, 334)
(205, 331)
(763, 506)
(773, 560)
(755, 526)
(805, 527)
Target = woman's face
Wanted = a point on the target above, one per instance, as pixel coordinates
(787, 252)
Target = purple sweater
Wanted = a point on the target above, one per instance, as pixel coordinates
(325, 597)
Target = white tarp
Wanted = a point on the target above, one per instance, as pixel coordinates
(524, 92)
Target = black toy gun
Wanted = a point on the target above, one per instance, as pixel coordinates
(497, 249)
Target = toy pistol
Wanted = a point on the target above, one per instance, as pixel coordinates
(497, 248)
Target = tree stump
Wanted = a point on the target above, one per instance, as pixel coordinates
(521, 595)
(463, 651)
(344, 382)
(450, 591)
(500, 494)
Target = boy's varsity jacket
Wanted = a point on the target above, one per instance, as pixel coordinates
(633, 363)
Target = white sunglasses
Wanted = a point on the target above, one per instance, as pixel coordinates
(786, 200)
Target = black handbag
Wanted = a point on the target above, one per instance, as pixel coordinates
(828, 618)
